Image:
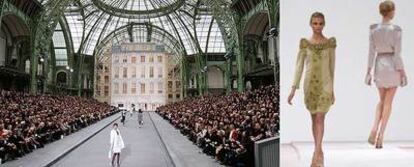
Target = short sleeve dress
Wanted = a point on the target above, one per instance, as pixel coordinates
(318, 60)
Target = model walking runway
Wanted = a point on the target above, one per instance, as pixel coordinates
(143, 147)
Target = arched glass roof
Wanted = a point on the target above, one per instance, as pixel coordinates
(138, 8)
(188, 21)
(139, 5)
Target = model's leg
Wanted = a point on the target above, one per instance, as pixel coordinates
(318, 126)
(386, 112)
(119, 157)
(113, 159)
(314, 128)
(378, 115)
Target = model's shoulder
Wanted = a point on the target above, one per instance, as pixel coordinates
(332, 42)
(373, 26)
(304, 43)
(397, 28)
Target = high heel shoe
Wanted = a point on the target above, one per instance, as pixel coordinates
(371, 139)
(378, 144)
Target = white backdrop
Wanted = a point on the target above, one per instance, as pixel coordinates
(351, 117)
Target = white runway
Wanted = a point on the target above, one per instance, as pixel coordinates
(350, 154)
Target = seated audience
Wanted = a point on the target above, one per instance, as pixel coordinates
(226, 127)
(28, 122)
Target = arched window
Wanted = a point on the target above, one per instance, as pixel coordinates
(59, 44)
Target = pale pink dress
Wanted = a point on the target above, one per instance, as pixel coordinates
(385, 49)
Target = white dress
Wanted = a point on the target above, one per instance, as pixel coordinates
(117, 144)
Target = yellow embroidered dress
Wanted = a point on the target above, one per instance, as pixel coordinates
(319, 62)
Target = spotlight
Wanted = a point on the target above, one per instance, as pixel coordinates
(67, 67)
(272, 32)
(71, 70)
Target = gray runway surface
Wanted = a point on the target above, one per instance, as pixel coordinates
(143, 148)
(183, 151)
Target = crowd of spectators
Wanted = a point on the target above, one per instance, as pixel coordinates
(226, 127)
(28, 122)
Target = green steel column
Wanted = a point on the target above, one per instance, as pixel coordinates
(205, 74)
(200, 83)
(199, 88)
(34, 60)
(183, 76)
(1, 10)
(76, 74)
(199, 66)
(240, 72)
(228, 75)
(45, 73)
(273, 7)
(70, 76)
(187, 76)
(33, 73)
(52, 70)
(93, 80)
(80, 84)
(240, 58)
(80, 76)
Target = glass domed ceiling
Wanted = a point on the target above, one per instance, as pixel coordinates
(138, 8)
(186, 30)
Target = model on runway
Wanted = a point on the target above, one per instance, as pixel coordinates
(389, 73)
(140, 118)
(317, 54)
(117, 144)
(123, 115)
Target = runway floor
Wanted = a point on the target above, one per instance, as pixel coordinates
(350, 154)
(156, 144)
(143, 147)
